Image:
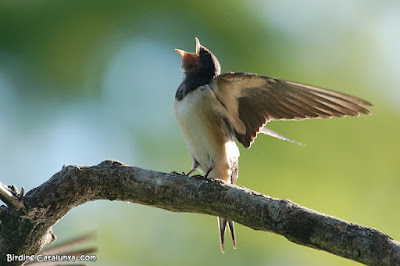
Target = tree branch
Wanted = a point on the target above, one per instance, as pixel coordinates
(11, 196)
(27, 229)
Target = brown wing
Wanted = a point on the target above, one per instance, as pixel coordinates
(253, 100)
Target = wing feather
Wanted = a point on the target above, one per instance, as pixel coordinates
(252, 101)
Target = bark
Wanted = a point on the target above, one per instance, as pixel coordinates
(26, 221)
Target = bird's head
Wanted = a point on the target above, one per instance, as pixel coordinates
(202, 64)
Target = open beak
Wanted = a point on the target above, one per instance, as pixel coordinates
(197, 45)
(183, 53)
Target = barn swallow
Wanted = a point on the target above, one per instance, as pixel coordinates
(214, 109)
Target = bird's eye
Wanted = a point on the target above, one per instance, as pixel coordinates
(204, 52)
(205, 55)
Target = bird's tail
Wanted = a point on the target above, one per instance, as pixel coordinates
(222, 222)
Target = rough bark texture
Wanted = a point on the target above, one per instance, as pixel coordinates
(27, 229)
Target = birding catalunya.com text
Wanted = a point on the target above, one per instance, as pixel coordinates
(49, 258)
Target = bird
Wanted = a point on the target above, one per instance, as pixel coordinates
(214, 110)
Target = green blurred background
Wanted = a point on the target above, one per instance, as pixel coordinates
(85, 81)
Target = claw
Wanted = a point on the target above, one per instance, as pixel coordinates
(176, 173)
(199, 176)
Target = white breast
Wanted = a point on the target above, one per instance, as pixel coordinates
(199, 115)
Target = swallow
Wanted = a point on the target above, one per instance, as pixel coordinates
(214, 110)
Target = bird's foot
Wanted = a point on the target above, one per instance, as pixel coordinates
(203, 176)
(176, 173)
(200, 177)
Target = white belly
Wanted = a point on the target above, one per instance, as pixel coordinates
(205, 132)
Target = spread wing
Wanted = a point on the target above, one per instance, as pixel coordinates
(252, 100)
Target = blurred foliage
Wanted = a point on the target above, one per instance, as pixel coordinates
(83, 81)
